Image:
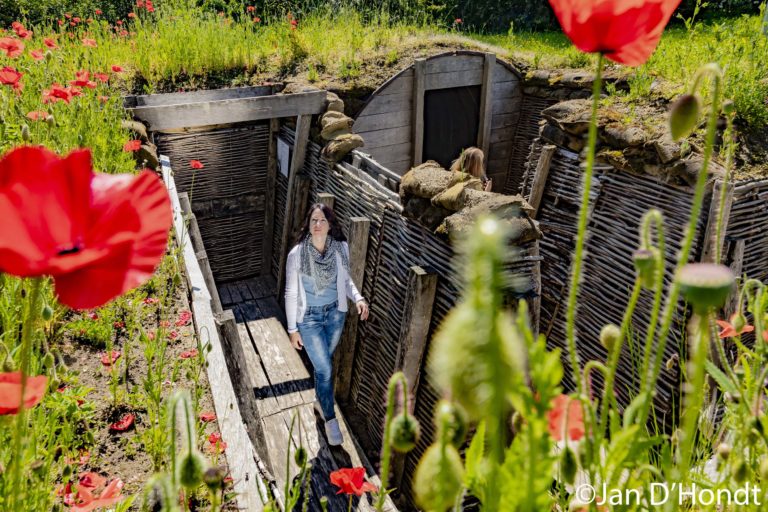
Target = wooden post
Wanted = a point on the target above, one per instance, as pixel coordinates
(711, 244)
(419, 83)
(540, 178)
(345, 352)
(210, 282)
(327, 199)
(191, 223)
(535, 313)
(486, 106)
(419, 299)
(242, 363)
(269, 199)
(297, 162)
(737, 264)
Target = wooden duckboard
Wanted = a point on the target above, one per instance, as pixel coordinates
(284, 391)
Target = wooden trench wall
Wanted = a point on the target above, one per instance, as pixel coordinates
(396, 245)
(617, 203)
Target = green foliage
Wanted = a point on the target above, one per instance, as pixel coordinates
(45, 11)
(96, 333)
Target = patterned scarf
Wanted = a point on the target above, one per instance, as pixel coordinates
(321, 268)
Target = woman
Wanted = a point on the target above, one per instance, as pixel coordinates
(317, 285)
(471, 162)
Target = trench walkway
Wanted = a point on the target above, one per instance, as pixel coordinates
(283, 389)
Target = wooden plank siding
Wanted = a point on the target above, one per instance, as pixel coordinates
(386, 122)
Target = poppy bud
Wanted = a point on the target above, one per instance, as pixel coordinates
(25, 135)
(214, 478)
(645, 265)
(300, 456)
(723, 451)
(677, 436)
(50, 120)
(764, 469)
(324, 503)
(191, 470)
(66, 472)
(404, 432)
(738, 321)
(438, 479)
(453, 419)
(47, 313)
(48, 55)
(48, 360)
(739, 470)
(609, 336)
(673, 362)
(8, 365)
(568, 465)
(684, 116)
(517, 422)
(705, 285)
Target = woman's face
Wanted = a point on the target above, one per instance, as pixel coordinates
(318, 224)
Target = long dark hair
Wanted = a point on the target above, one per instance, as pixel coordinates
(334, 226)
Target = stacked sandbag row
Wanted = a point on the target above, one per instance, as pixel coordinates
(337, 131)
(448, 202)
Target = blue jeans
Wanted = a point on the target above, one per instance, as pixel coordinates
(320, 333)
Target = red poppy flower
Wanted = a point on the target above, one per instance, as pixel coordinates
(116, 68)
(20, 31)
(256, 19)
(352, 481)
(151, 300)
(85, 501)
(10, 391)
(132, 145)
(119, 325)
(60, 22)
(37, 115)
(103, 99)
(184, 318)
(196, 164)
(57, 93)
(131, 15)
(250, 8)
(216, 444)
(82, 79)
(101, 77)
(458, 21)
(188, 354)
(37, 54)
(76, 19)
(91, 43)
(123, 423)
(173, 335)
(119, 22)
(91, 480)
(729, 331)
(151, 335)
(165, 324)
(97, 12)
(566, 417)
(12, 47)
(75, 91)
(12, 78)
(50, 43)
(106, 360)
(67, 15)
(98, 235)
(207, 417)
(625, 31)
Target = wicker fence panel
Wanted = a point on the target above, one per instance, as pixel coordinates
(749, 222)
(235, 170)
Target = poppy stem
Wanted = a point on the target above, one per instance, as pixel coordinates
(31, 316)
(386, 449)
(349, 505)
(578, 255)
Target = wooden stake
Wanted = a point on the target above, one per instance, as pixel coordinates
(419, 83)
(540, 178)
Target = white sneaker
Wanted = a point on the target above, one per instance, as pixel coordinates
(318, 409)
(333, 432)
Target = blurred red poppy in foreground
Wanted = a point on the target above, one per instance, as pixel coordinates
(352, 481)
(10, 391)
(625, 31)
(566, 418)
(98, 235)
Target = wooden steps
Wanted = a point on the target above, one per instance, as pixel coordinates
(276, 387)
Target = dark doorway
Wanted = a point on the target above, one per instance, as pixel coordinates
(451, 117)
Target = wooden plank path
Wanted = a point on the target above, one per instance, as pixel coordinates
(284, 393)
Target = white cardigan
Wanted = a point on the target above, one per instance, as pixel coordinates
(296, 297)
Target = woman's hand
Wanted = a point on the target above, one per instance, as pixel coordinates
(296, 342)
(362, 309)
(488, 185)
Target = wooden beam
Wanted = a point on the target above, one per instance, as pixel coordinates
(540, 178)
(210, 282)
(301, 138)
(327, 199)
(419, 299)
(175, 98)
(269, 199)
(486, 105)
(345, 352)
(238, 110)
(711, 244)
(420, 72)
